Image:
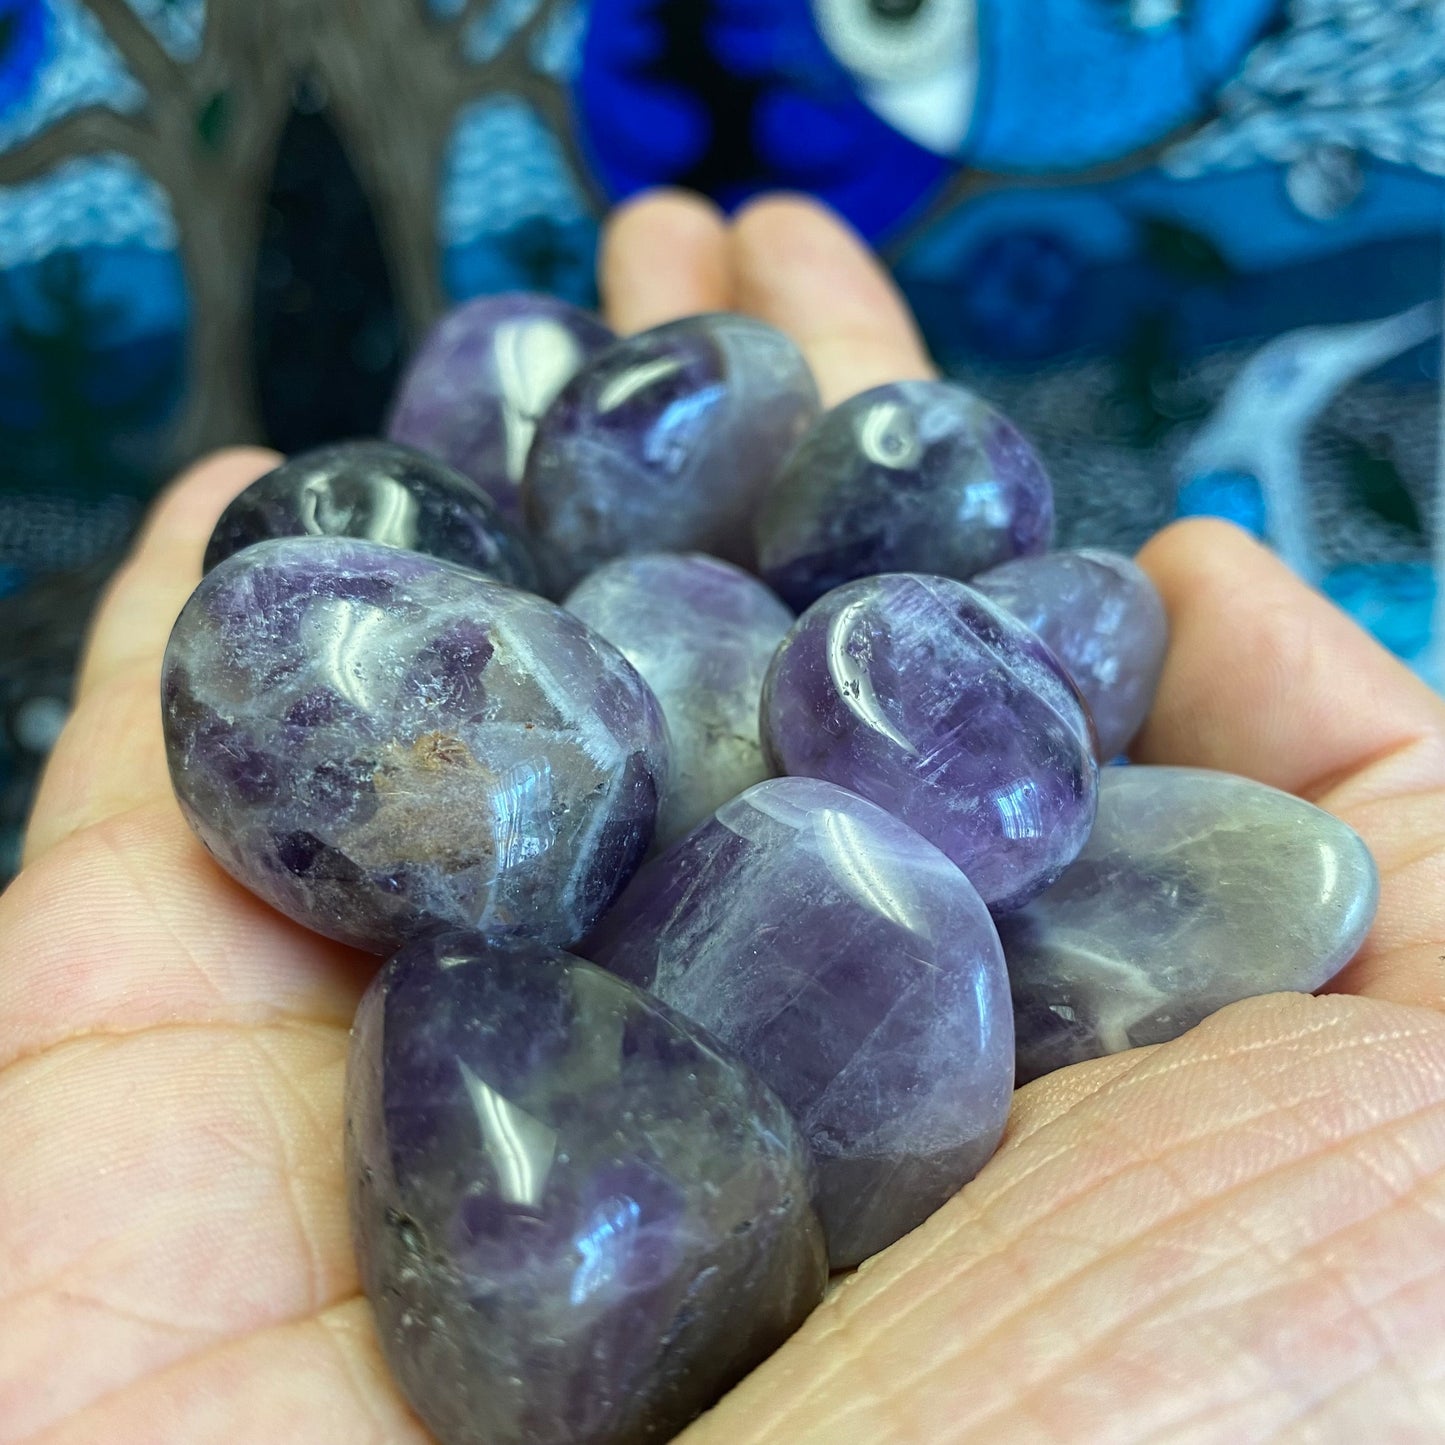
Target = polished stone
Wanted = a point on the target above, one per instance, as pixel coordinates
(915, 476)
(701, 633)
(377, 492)
(857, 970)
(482, 377)
(1104, 620)
(666, 441)
(933, 702)
(1197, 889)
(578, 1222)
(374, 741)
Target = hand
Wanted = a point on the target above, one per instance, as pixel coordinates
(1239, 1235)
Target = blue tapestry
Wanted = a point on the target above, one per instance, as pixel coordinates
(1193, 247)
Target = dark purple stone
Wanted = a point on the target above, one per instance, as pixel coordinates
(1103, 619)
(857, 970)
(578, 1220)
(481, 378)
(936, 704)
(915, 476)
(666, 441)
(374, 742)
(1197, 889)
(377, 492)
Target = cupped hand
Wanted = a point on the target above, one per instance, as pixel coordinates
(1236, 1236)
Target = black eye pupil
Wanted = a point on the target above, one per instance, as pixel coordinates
(896, 10)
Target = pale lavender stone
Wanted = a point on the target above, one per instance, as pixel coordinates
(933, 702)
(1104, 620)
(857, 970)
(578, 1221)
(483, 375)
(377, 492)
(701, 633)
(1197, 889)
(915, 476)
(375, 742)
(666, 442)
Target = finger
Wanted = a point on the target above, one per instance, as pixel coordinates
(110, 757)
(131, 926)
(798, 266)
(664, 255)
(1267, 678)
(134, 619)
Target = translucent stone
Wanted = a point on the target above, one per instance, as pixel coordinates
(374, 742)
(666, 441)
(377, 492)
(577, 1220)
(1104, 620)
(481, 378)
(857, 970)
(1197, 889)
(915, 476)
(701, 633)
(931, 701)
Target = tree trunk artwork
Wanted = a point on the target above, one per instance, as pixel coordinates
(394, 77)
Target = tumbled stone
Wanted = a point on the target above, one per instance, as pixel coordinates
(483, 375)
(377, 492)
(701, 633)
(857, 970)
(915, 476)
(374, 741)
(1197, 889)
(577, 1220)
(1104, 620)
(666, 441)
(939, 706)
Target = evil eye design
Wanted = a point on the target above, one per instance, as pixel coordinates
(915, 61)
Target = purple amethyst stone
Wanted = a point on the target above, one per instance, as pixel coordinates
(1197, 889)
(375, 742)
(667, 441)
(579, 1222)
(377, 492)
(481, 378)
(701, 633)
(915, 476)
(857, 970)
(1103, 619)
(936, 704)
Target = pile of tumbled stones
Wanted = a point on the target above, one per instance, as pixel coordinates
(811, 765)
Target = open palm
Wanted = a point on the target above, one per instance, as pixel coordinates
(1239, 1235)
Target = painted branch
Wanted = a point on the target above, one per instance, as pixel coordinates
(552, 103)
(219, 196)
(148, 60)
(471, 10)
(92, 131)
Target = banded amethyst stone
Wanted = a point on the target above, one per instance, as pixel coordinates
(915, 476)
(481, 378)
(377, 492)
(578, 1221)
(375, 742)
(666, 441)
(1197, 889)
(701, 633)
(936, 704)
(856, 969)
(1103, 619)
